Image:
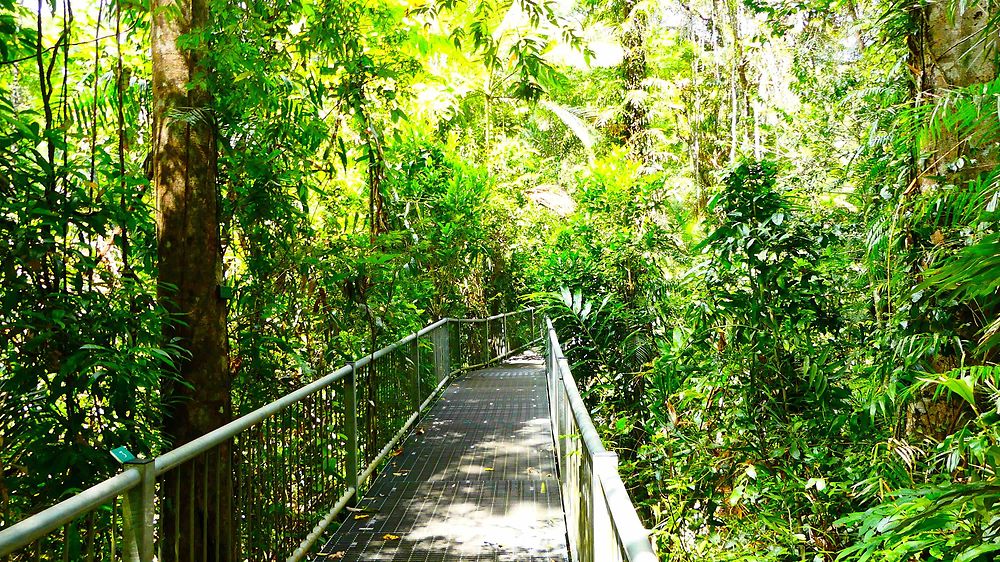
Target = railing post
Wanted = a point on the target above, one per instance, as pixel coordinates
(532, 329)
(415, 381)
(506, 337)
(458, 344)
(139, 506)
(487, 352)
(351, 428)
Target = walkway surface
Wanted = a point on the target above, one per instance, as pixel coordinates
(475, 480)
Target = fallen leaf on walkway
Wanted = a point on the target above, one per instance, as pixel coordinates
(420, 431)
(488, 469)
(390, 537)
(543, 487)
(362, 516)
(397, 452)
(401, 473)
(336, 555)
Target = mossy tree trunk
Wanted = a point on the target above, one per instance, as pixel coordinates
(950, 48)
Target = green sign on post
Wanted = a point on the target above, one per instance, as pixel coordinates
(122, 455)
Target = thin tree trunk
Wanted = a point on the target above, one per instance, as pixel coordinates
(190, 272)
(737, 81)
(634, 72)
(734, 118)
(758, 149)
(695, 120)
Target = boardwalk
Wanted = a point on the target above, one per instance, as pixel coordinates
(475, 481)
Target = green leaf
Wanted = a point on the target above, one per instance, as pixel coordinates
(964, 386)
(972, 554)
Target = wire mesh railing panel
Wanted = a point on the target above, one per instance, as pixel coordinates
(98, 524)
(385, 400)
(442, 354)
(493, 332)
(427, 357)
(256, 496)
(571, 460)
(253, 485)
(97, 535)
(521, 330)
(194, 504)
(365, 403)
(455, 351)
(471, 341)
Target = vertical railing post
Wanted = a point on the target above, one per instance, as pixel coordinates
(415, 381)
(436, 359)
(506, 337)
(533, 328)
(139, 506)
(443, 342)
(351, 428)
(458, 344)
(487, 352)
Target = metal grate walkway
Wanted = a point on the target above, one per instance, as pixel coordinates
(475, 481)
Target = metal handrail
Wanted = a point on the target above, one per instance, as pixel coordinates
(602, 522)
(37, 526)
(132, 536)
(191, 449)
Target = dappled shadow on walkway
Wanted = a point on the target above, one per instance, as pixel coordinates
(475, 481)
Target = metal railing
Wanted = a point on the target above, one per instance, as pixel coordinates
(267, 485)
(601, 520)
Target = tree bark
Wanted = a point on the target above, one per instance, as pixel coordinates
(635, 118)
(949, 50)
(198, 497)
(737, 82)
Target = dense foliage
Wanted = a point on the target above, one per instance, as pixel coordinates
(768, 231)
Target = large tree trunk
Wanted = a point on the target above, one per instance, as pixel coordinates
(948, 50)
(190, 272)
